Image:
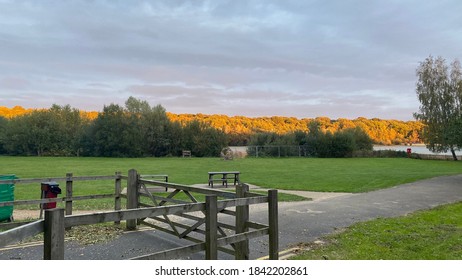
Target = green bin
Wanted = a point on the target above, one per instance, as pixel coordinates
(6, 194)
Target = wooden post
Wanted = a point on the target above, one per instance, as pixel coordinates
(242, 217)
(117, 192)
(54, 234)
(69, 194)
(211, 226)
(132, 195)
(273, 225)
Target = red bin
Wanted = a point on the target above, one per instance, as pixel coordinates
(50, 190)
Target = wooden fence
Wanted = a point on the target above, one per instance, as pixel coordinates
(205, 216)
(68, 192)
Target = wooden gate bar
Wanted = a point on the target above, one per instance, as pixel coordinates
(20, 233)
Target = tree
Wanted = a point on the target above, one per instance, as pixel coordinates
(154, 125)
(203, 140)
(440, 94)
(115, 134)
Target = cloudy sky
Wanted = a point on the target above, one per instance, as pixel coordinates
(306, 58)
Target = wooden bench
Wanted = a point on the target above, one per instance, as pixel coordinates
(186, 153)
(224, 177)
(156, 177)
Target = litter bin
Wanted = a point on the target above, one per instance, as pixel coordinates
(50, 190)
(6, 194)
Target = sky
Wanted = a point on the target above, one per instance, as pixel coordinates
(304, 59)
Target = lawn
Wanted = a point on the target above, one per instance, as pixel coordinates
(311, 174)
(425, 235)
(314, 174)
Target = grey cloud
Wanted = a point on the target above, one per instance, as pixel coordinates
(302, 58)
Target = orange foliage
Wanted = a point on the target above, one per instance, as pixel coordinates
(19, 111)
(385, 132)
(381, 131)
(13, 112)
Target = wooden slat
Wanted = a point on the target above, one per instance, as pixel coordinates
(12, 225)
(189, 188)
(255, 225)
(161, 198)
(165, 216)
(192, 228)
(194, 218)
(112, 216)
(20, 233)
(189, 238)
(242, 236)
(222, 204)
(56, 179)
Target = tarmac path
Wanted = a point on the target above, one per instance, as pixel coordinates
(299, 222)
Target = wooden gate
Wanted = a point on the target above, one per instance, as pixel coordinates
(224, 221)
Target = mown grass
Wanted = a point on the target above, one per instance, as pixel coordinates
(310, 174)
(333, 175)
(425, 235)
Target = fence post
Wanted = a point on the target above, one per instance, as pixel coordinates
(117, 192)
(53, 241)
(211, 226)
(242, 217)
(132, 195)
(273, 225)
(69, 194)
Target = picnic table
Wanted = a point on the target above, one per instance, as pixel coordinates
(223, 177)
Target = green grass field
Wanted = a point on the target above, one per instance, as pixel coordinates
(313, 174)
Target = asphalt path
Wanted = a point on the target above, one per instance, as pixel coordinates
(299, 222)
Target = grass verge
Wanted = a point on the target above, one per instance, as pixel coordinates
(424, 235)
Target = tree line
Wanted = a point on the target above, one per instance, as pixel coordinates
(239, 129)
(137, 130)
(133, 130)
